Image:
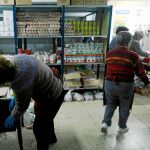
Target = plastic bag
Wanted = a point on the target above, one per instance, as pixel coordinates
(77, 97)
(88, 96)
(29, 116)
(68, 96)
(98, 95)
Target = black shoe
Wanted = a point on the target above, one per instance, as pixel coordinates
(52, 139)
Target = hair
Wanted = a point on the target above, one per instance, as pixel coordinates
(138, 35)
(124, 38)
(121, 28)
(6, 70)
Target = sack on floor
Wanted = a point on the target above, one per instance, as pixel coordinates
(88, 96)
(68, 96)
(77, 97)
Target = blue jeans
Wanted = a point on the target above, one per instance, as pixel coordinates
(118, 94)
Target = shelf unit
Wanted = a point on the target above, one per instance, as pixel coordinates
(32, 24)
(75, 17)
(37, 19)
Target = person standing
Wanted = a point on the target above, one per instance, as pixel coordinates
(30, 78)
(113, 43)
(122, 65)
(135, 45)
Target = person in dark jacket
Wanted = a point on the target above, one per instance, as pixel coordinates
(135, 45)
(122, 65)
(113, 43)
(30, 78)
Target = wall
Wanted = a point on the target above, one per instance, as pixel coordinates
(132, 3)
(129, 3)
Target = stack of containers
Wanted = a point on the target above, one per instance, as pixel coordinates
(84, 53)
(79, 27)
(38, 24)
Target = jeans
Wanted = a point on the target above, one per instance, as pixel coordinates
(118, 94)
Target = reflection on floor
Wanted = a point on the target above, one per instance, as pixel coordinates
(78, 128)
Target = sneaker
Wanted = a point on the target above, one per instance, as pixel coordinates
(104, 128)
(123, 130)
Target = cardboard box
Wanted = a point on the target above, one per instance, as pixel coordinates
(91, 83)
(101, 2)
(72, 84)
(77, 2)
(73, 75)
(7, 2)
(9, 34)
(86, 73)
(63, 2)
(89, 2)
(23, 2)
(142, 91)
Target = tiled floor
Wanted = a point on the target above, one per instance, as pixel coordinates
(78, 128)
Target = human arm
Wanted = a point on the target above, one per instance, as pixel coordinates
(140, 71)
(23, 99)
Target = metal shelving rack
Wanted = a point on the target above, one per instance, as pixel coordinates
(105, 16)
(42, 8)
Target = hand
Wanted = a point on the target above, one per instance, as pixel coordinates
(55, 71)
(11, 104)
(9, 122)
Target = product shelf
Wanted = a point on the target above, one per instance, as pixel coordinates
(88, 63)
(70, 24)
(76, 36)
(84, 88)
(37, 37)
(6, 37)
(53, 64)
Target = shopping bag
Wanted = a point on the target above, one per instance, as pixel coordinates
(4, 113)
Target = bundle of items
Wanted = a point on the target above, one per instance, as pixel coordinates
(72, 80)
(85, 96)
(140, 87)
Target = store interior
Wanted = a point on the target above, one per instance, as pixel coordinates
(74, 40)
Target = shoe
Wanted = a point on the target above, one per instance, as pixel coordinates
(52, 139)
(104, 128)
(123, 130)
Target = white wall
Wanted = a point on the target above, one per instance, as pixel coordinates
(129, 3)
(120, 3)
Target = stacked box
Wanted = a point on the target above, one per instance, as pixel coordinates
(101, 2)
(6, 2)
(23, 2)
(63, 2)
(77, 2)
(89, 2)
